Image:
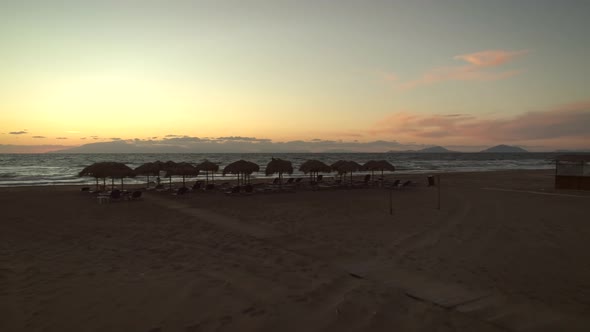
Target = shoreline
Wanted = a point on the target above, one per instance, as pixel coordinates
(232, 179)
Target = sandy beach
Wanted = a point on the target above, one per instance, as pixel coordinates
(505, 252)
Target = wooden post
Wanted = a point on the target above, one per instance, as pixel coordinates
(438, 185)
(391, 201)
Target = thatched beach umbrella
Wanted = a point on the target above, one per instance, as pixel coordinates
(378, 165)
(168, 167)
(344, 166)
(184, 169)
(313, 167)
(279, 166)
(241, 167)
(208, 167)
(94, 172)
(106, 169)
(150, 168)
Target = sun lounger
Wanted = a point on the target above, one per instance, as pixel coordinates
(136, 195)
(116, 195)
(198, 185)
(234, 190)
(181, 191)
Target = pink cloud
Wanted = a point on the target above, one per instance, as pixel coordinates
(478, 68)
(490, 58)
(561, 124)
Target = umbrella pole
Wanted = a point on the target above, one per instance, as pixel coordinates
(183, 181)
(96, 184)
(148, 182)
(121, 183)
(170, 181)
(104, 183)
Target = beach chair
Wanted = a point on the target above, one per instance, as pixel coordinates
(249, 189)
(290, 181)
(235, 190)
(275, 181)
(320, 178)
(181, 191)
(210, 186)
(406, 184)
(115, 195)
(198, 185)
(136, 195)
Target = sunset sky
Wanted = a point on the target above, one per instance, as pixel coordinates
(452, 73)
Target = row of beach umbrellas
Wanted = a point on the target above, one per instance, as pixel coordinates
(242, 169)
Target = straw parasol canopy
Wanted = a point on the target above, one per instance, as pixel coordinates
(208, 167)
(183, 169)
(150, 169)
(346, 166)
(378, 165)
(105, 169)
(279, 166)
(241, 167)
(168, 167)
(313, 167)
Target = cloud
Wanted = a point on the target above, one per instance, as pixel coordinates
(243, 139)
(479, 67)
(10, 148)
(21, 132)
(115, 138)
(490, 58)
(39, 137)
(560, 124)
(61, 138)
(188, 144)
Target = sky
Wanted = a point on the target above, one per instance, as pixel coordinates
(351, 75)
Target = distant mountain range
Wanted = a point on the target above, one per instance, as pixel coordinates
(504, 149)
(432, 149)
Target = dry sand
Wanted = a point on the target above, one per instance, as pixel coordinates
(504, 253)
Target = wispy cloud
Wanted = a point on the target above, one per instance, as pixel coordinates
(20, 132)
(39, 137)
(479, 66)
(61, 138)
(560, 123)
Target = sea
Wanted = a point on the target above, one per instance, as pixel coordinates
(54, 169)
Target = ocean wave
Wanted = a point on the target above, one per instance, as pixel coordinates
(48, 169)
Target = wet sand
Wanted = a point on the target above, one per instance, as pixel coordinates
(504, 252)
